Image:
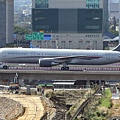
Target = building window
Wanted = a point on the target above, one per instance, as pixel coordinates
(70, 44)
(53, 44)
(95, 45)
(41, 4)
(93, 36)
(45, 27)
(80, 44)
(87, 42)
(88, 45)
(92, 4)
(92, 27)
(63, 44)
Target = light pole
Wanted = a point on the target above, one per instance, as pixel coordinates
(80, 43)
(56, 37)
(46, 43)
(18, 37)
(119, 21)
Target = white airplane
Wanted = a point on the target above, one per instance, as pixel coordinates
(53, 57)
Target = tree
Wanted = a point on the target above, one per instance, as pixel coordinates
(114, 32)
(21, 31)
(20, 36)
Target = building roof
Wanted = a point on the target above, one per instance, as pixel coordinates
(108, 40)
(63, 83)
(109, 35)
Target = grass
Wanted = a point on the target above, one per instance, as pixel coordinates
(105, 101)
(117, 106)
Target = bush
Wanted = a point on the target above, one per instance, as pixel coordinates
(105, 101)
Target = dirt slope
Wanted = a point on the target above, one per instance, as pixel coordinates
(33, 106)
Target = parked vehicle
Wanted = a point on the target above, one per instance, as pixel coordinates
(2, 66)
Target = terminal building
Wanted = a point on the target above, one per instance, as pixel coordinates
(71, 24)
(6, 22)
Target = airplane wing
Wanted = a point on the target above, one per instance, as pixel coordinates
(69, 58)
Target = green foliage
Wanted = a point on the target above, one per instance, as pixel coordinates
(114, 32)
(10, 45)
(21, 31)
(106, 48)
(106, 101)
(117, 105)
(94, 113)
(50, 94)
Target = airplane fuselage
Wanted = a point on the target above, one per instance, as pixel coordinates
(29, 55)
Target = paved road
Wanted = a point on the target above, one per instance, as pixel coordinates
(109, 67)
(71, 68)
(33, 106)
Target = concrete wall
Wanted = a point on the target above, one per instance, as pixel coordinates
(60, 75)
(73, 41)
(67, 3)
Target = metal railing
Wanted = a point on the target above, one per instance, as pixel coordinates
(82, 106)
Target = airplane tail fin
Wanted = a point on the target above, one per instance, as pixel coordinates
(117, 48)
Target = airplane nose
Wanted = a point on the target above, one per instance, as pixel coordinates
(3, 54)
(0, 55)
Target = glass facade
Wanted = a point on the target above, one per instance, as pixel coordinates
(92, 4)
(45, 19)
(90, 20)
(41, 4)
(67, 20)
(2, 23)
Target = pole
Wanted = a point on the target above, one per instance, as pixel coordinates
(56, 39)
(119, 22)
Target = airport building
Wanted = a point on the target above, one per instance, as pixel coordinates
(6, 22)
(71, 24)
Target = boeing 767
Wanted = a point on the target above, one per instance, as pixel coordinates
(53, 57)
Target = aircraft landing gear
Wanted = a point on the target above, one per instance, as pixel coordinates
(65, 67)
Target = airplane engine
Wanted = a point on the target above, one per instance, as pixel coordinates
(46, 62)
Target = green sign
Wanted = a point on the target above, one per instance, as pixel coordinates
(38, 36)
(28, 36)
(35, 36)
(41, 35)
